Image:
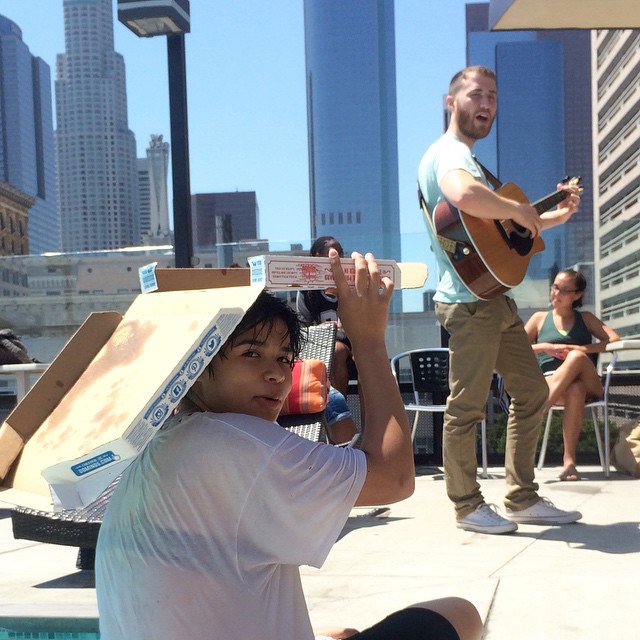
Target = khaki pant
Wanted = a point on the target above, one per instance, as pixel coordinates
(489, 335)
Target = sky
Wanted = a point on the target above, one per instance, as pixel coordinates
(246, 97)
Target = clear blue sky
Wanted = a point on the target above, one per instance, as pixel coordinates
(246, 94)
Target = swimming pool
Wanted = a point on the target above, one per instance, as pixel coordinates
(49, 628)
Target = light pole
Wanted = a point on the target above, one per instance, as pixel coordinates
(148, 18)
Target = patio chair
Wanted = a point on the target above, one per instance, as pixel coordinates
(80, 527)
(428, 375)
(318, 344)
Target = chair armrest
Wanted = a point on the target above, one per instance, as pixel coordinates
(618, 345)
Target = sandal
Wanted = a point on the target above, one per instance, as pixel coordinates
(570, 473)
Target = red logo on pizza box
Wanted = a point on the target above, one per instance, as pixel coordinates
(309, 272)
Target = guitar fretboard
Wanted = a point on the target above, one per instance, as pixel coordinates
(546, 203)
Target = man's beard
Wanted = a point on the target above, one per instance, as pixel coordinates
(471, 128)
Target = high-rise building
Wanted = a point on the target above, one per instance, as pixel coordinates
(616, 157)
(352, 123)
(27, 159)
(95, 149)
(153, 206)
(219, 219)
(543, 127)
(144, 194)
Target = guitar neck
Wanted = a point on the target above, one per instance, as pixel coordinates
(548, 202)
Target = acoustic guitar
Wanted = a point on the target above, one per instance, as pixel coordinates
(490, 256)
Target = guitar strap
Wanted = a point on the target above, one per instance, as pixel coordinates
(493, 181)
(450, 246)
(447, 244)
(425, 210)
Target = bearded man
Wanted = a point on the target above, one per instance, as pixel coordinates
(486, 335)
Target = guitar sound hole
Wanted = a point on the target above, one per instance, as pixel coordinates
(521, 243)
(518, 238)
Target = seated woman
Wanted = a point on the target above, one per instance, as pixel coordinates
(315, 307)
(563, 340)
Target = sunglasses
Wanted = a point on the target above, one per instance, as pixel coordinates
(557, 289)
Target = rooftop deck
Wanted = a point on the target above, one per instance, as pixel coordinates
(573, 582)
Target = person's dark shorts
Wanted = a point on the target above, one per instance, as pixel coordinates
(414, 623)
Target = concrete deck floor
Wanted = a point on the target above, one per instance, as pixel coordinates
(577, 581)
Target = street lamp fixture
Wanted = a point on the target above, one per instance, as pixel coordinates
(148, 18)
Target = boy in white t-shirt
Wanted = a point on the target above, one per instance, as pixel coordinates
(206, 530)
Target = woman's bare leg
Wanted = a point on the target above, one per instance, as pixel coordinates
(572, 421)
(577, 366)
(340, 369)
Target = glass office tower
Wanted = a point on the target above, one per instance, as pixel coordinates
(27, 159)
(352, 124)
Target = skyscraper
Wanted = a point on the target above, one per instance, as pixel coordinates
(543, 127)
(27, 160)
(220, 218)
(153, 197)
(352, 124)
(95, 149)
(222, 222)
(616, 96)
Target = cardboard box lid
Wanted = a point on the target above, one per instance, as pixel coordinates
(130, 370)
(181, 279)
(285, 272)
(51, 386)
(276, 272)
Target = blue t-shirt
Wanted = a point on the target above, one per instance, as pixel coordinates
(446, 154)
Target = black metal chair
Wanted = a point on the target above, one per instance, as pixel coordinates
(427, 371)
(80, 527)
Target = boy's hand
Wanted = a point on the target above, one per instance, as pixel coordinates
(364, 307)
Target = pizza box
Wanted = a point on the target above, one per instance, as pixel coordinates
(284, 272)
(153, 278)
(109, 391)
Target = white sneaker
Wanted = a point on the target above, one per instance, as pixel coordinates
(486, 519)
(543, 512)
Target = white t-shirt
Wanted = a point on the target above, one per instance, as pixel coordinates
(207, 527)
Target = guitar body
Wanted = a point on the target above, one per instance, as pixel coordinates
(489, 256)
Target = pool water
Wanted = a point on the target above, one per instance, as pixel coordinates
(7, 634)
(49, 629)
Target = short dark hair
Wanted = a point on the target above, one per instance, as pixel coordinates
(265, 311)
(322, 245)
(463, 74)
(579, 282)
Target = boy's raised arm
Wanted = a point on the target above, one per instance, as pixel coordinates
(386, 440)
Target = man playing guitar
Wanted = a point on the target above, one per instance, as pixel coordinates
(486, 334)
